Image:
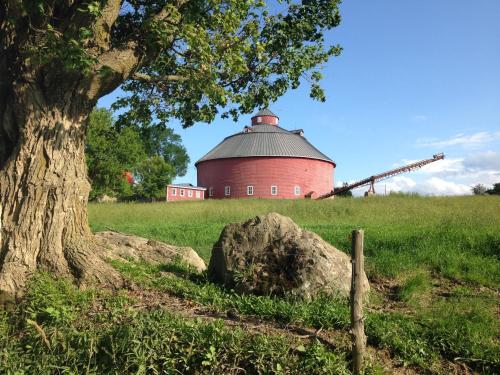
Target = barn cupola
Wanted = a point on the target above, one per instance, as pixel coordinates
(265, 116)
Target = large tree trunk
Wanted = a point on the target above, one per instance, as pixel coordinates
(44, 191)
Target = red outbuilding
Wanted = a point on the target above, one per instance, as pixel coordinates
(184, 192)
(265, 161)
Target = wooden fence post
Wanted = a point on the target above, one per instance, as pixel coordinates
(357, 320)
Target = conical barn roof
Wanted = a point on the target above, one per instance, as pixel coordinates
(265, 140)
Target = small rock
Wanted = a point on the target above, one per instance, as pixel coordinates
(106, 199)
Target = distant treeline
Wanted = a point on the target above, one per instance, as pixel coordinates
(131, 160)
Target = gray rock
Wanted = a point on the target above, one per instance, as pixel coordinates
(271, 254)
(124, 246)
(106, 199)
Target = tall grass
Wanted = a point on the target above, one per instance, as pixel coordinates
(456, 237)
(416, 242)
(440, 256)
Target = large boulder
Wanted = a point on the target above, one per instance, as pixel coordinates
(271, 254)
(124, 246)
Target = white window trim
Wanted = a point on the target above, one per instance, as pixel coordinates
(181, 192)
(296, 190)
(250, 190)
(227, 191)
(198, 194)
(275, 188)
(259, 119)
(211, 191)
(174, 192)
(190, 193)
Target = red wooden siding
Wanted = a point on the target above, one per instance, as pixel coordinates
(271, 120)
(173, 193)
(264, 172)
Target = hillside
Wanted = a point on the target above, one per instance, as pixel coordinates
(433, 264)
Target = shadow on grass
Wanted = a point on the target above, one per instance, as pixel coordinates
(184, 271)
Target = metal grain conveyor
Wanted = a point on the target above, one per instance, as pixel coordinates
(382, 176)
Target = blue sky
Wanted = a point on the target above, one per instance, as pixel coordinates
(415, 78)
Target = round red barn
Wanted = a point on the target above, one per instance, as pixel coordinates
(265, 161)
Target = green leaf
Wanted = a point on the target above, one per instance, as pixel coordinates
(300, 348)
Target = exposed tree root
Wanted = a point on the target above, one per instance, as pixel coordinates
(81, 261)
(88, 266)
(84, 261)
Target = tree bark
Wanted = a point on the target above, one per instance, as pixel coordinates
(44, 190)
(43, 110)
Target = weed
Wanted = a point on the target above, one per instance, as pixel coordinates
(418, 339)
(105, 335)
(415, 288)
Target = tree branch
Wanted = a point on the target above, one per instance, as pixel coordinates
(101, 25)
(118, 64)
(114, 67)
(104, 23)
(165, 12)
(147, 78)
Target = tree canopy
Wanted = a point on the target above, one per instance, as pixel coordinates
(112, 149)
(153, 175)
(495, 190)
(188, 59)
(479, 189)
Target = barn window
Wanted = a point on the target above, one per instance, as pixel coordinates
(250, 190)
(198, 194)
(297, 190)
(190, 193)
(174, 192)
(227, 190)
(259, 119)
(274, 190)
(181, 192)
(211, 191)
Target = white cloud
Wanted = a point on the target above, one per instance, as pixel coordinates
(430, 186)
(451, 176)
(397, 184)
(472, 140)
(420, 118)
(445, 166)
(438, 186)
(482, 167)
(489, 160)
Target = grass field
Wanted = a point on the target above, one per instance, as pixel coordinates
(433, 264)
(455, 237)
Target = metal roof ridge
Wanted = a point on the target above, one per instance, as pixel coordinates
(327, 159)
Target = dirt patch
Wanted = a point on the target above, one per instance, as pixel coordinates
(386, 298)
(150, 299)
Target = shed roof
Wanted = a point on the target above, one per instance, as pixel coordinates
(265, 140)
(186, 186)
